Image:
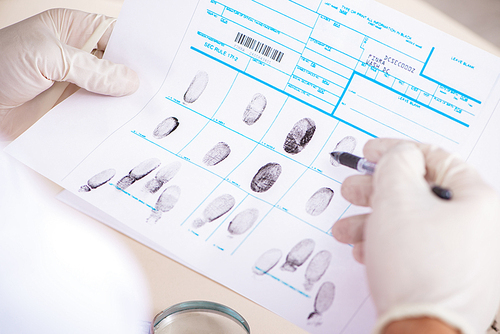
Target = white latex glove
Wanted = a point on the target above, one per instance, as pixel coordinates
(425, 256)
(45, 48)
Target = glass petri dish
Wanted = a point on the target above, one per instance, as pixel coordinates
(199, 317)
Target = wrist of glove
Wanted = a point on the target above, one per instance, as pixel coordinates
(425, 256)
(46, 48)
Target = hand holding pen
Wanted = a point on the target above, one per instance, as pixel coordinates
(366, 167)
(424, 256)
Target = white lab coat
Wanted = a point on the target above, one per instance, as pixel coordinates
(60, 271)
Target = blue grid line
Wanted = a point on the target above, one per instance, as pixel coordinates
(300, 5)
(319, 5)
(354, 314)
(343, 94)
(132, 196)
(285, 283)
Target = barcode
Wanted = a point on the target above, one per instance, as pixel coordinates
(259, 47)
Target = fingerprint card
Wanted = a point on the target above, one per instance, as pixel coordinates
(222, 161)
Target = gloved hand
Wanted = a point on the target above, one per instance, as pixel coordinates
(425, 256)
(45, 48)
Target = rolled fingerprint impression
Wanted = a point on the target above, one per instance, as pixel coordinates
(319, 201)
(163, 175)
(215, 209)
(298, 255)
(265, 177)
(267, 261)
(165, 203)
(196, 87)
(317, 268)
(98, 180)
(347, 144)
(138, 172)
(166, 127)
(322, 302)
(216, 154)
(243, 221)
(300, 135)
(254, 109)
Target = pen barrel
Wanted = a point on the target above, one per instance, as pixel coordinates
(349, 160)
(365, 166)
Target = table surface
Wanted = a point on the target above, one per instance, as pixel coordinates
(170, 282)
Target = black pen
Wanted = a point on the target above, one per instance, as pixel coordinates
(367, 167)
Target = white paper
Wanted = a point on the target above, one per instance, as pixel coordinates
(351, 70)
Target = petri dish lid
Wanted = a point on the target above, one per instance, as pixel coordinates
(199, 317)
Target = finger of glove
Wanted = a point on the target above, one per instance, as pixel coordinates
(95, 75)
(449, 171)
(357, 189)
(399, 176)
(374, 149)
(74, 27)
(442, 168)
(350, 230)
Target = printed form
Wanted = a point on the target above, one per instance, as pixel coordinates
(221, 159)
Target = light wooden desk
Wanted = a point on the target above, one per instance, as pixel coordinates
(169, 281)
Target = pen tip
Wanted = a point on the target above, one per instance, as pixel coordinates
(335, 156)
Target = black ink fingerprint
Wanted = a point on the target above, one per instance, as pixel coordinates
(216, 154)
(347, 144)
(98, 180)
(300, 135)
(267, 261)
(163, 175)
(319, 201)
(243, 221)
(196, 87)
(138, 172)
(298, 255)
(165, 203)
(217, 208)
(265, 177)
(166, 127)
(254, 109)
(322, 302)
(317, 268)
